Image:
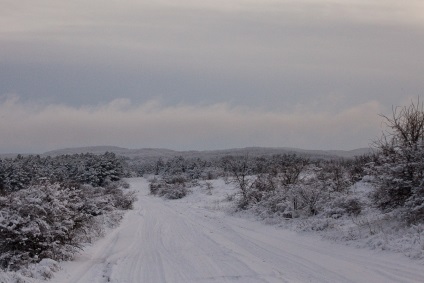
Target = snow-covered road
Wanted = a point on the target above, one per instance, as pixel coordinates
(182, 241)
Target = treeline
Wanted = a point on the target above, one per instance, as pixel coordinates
(50, 206)
(95, 170)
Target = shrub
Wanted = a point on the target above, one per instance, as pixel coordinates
(40, 222)
(52, 220)
(176, 189)
(344, 205)
(399, 167)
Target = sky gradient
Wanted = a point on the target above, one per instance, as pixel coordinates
(207, 74)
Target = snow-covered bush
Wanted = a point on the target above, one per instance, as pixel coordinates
(52, 220)
(278, 203)
(43, 270)
(40, 222)
(357, 167)
(350, 205)
(170, 189)
(118, 198)
(398, 170)
(288, 168)
(335, 174)
(309, 197)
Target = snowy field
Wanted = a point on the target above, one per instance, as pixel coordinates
(195, 240)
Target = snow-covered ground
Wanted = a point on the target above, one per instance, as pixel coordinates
(195, 240)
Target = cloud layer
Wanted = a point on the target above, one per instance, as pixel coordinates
(182, 127)
(205, 74)
(272, 53)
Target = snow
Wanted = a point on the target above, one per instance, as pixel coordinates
(195, 240)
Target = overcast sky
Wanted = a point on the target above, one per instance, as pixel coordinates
(202, 75)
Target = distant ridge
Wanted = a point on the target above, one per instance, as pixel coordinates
(90, 149)
(155, 153)
(13, 155)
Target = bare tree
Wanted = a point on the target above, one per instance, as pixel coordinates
(406, 126)
(240, 172)
(399, 168)
(289, 167)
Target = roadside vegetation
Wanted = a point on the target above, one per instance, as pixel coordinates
(51, 207)
(374, 200)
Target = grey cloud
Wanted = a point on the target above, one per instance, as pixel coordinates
(120, 122)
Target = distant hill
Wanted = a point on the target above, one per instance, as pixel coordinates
(12, 155)
(145, 153)
(155, 153)
(90, 149)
